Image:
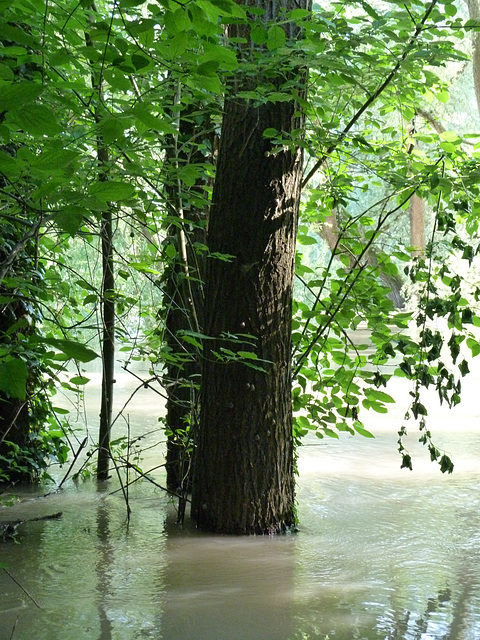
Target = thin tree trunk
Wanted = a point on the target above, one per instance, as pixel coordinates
(183, 303)
(108, 345)
(474, 14)
(416, 210)
(417, 225)
(108, 286)
(243, 474)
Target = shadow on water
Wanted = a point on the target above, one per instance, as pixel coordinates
(217, 587)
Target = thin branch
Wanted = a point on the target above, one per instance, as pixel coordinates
(22, 588)
(373, 97)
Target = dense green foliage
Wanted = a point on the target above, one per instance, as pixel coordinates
(121, 76)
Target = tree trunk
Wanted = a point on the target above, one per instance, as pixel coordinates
(416, 209)
(18, 256)
(243, 475)
(108, 346)
(474, 14)
(183, 303)
(108, 280)
(417, 225)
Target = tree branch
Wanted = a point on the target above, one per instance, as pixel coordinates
(373, 97)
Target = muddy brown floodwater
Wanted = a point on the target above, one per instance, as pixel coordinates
(382, 553)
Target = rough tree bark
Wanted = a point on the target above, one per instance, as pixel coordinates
(243, 475)
(108, 345)
(183, 299)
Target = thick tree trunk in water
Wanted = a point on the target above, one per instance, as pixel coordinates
(243, 475)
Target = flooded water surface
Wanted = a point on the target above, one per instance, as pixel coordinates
(382, 553)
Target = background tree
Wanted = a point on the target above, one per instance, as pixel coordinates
(183, 288)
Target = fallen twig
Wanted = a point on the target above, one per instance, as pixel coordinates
(13, 630)
(24, 591)
(8, 528)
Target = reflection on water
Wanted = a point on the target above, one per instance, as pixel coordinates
(216, 587)
(382, 553)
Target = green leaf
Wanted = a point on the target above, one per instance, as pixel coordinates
(111, 190)
(72, 350)
(298, 14)
(370, 11)
(177, 45)
(406, 462)
(212, 83)
(79, 380)
(276, 37)
(360, 429)
(270, 133)
(144, 113)
(446, 465)
(117, 79)
(225, 58)
(304, 239)
(443, 96)
(54, 158)
(6, 72)
(38, 119)
(207, 68)
(463, 368)
(303, 422)
(140, 61)
(128, 4)
(474, 346)
(258, 35)
(190, 339)
(17, 35)
(247, 354)
(18, 94)
(71, 219)
(13, 378)
(170, 251)
(277, 96)
(182, 19)
(330, 433)
(112, 129)
(381, 396)
(144, 267)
